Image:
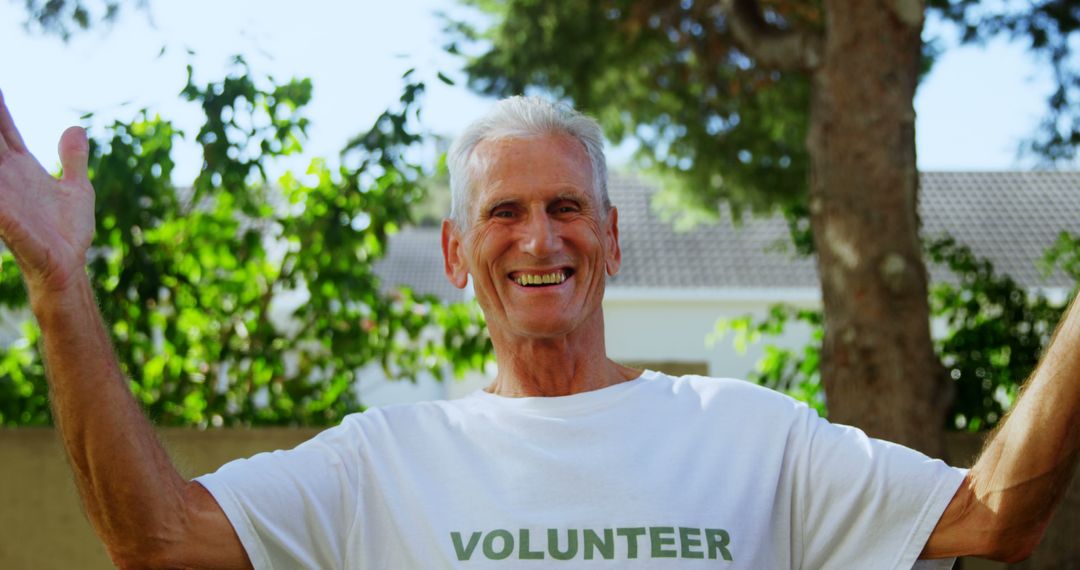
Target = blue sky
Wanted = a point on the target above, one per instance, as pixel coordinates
(973, 110)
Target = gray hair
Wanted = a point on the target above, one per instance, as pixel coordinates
(521, 117)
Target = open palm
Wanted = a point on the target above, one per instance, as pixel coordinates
(47, 223)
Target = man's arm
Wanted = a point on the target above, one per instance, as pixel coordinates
(1002, 508)
(146, 513)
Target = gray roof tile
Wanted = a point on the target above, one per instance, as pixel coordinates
(709, 255)
(1010, 218)
(414, 259)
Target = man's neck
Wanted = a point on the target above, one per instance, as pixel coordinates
(556, 367)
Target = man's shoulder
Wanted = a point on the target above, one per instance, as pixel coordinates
(727, 390)
(428, 410)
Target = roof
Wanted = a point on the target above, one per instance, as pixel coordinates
(720, 255)
(1010, 218)
(414, 259)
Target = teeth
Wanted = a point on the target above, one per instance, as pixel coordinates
(546, 279)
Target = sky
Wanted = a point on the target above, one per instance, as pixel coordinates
(973, 110)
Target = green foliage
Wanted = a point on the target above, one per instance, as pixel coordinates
(1064, 255)
(995, 332)
(190, 279)
(713, 125)
(23, 397)
(65, 17)
(794, 372)
(1050, 28)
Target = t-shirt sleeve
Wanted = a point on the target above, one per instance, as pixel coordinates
(865, 499)
(295, 508)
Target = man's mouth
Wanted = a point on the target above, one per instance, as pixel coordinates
(542, 279)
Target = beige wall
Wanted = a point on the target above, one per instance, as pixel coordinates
(41, 523)
(42, 526)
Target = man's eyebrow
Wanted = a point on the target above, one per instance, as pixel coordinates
(585, 199)
(488, 207)
(571, 193)
(576, 196)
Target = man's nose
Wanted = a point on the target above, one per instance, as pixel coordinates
(541, 237)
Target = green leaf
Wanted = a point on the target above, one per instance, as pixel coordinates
(444, 78)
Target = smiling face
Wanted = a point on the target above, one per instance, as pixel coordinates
(539, 244)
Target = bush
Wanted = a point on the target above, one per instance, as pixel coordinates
(188, 279)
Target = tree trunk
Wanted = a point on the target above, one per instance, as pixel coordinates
(878, 364)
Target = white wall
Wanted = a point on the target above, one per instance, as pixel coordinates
(673, 324)
(643, 325)
(376, 391)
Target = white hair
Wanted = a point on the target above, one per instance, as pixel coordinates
(516, 118)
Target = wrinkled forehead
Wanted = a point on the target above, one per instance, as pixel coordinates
(553, 159)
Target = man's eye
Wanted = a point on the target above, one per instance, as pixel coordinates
(504, 213)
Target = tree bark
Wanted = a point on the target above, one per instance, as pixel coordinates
(878, 364)
(771, 47)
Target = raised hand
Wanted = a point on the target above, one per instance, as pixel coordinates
(47, 223)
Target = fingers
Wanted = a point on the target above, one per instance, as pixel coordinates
(74, 152)
(9, 135)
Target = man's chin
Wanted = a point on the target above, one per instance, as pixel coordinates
(542, 327)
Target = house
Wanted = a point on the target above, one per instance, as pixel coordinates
(673, 286)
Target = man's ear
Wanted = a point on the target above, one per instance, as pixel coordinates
(454, 264)
(614, 254)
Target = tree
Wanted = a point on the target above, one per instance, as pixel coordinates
(802, 103)
(189, 278)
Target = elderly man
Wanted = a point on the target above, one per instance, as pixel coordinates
(566, 457)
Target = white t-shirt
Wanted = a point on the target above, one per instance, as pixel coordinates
(657, 472)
